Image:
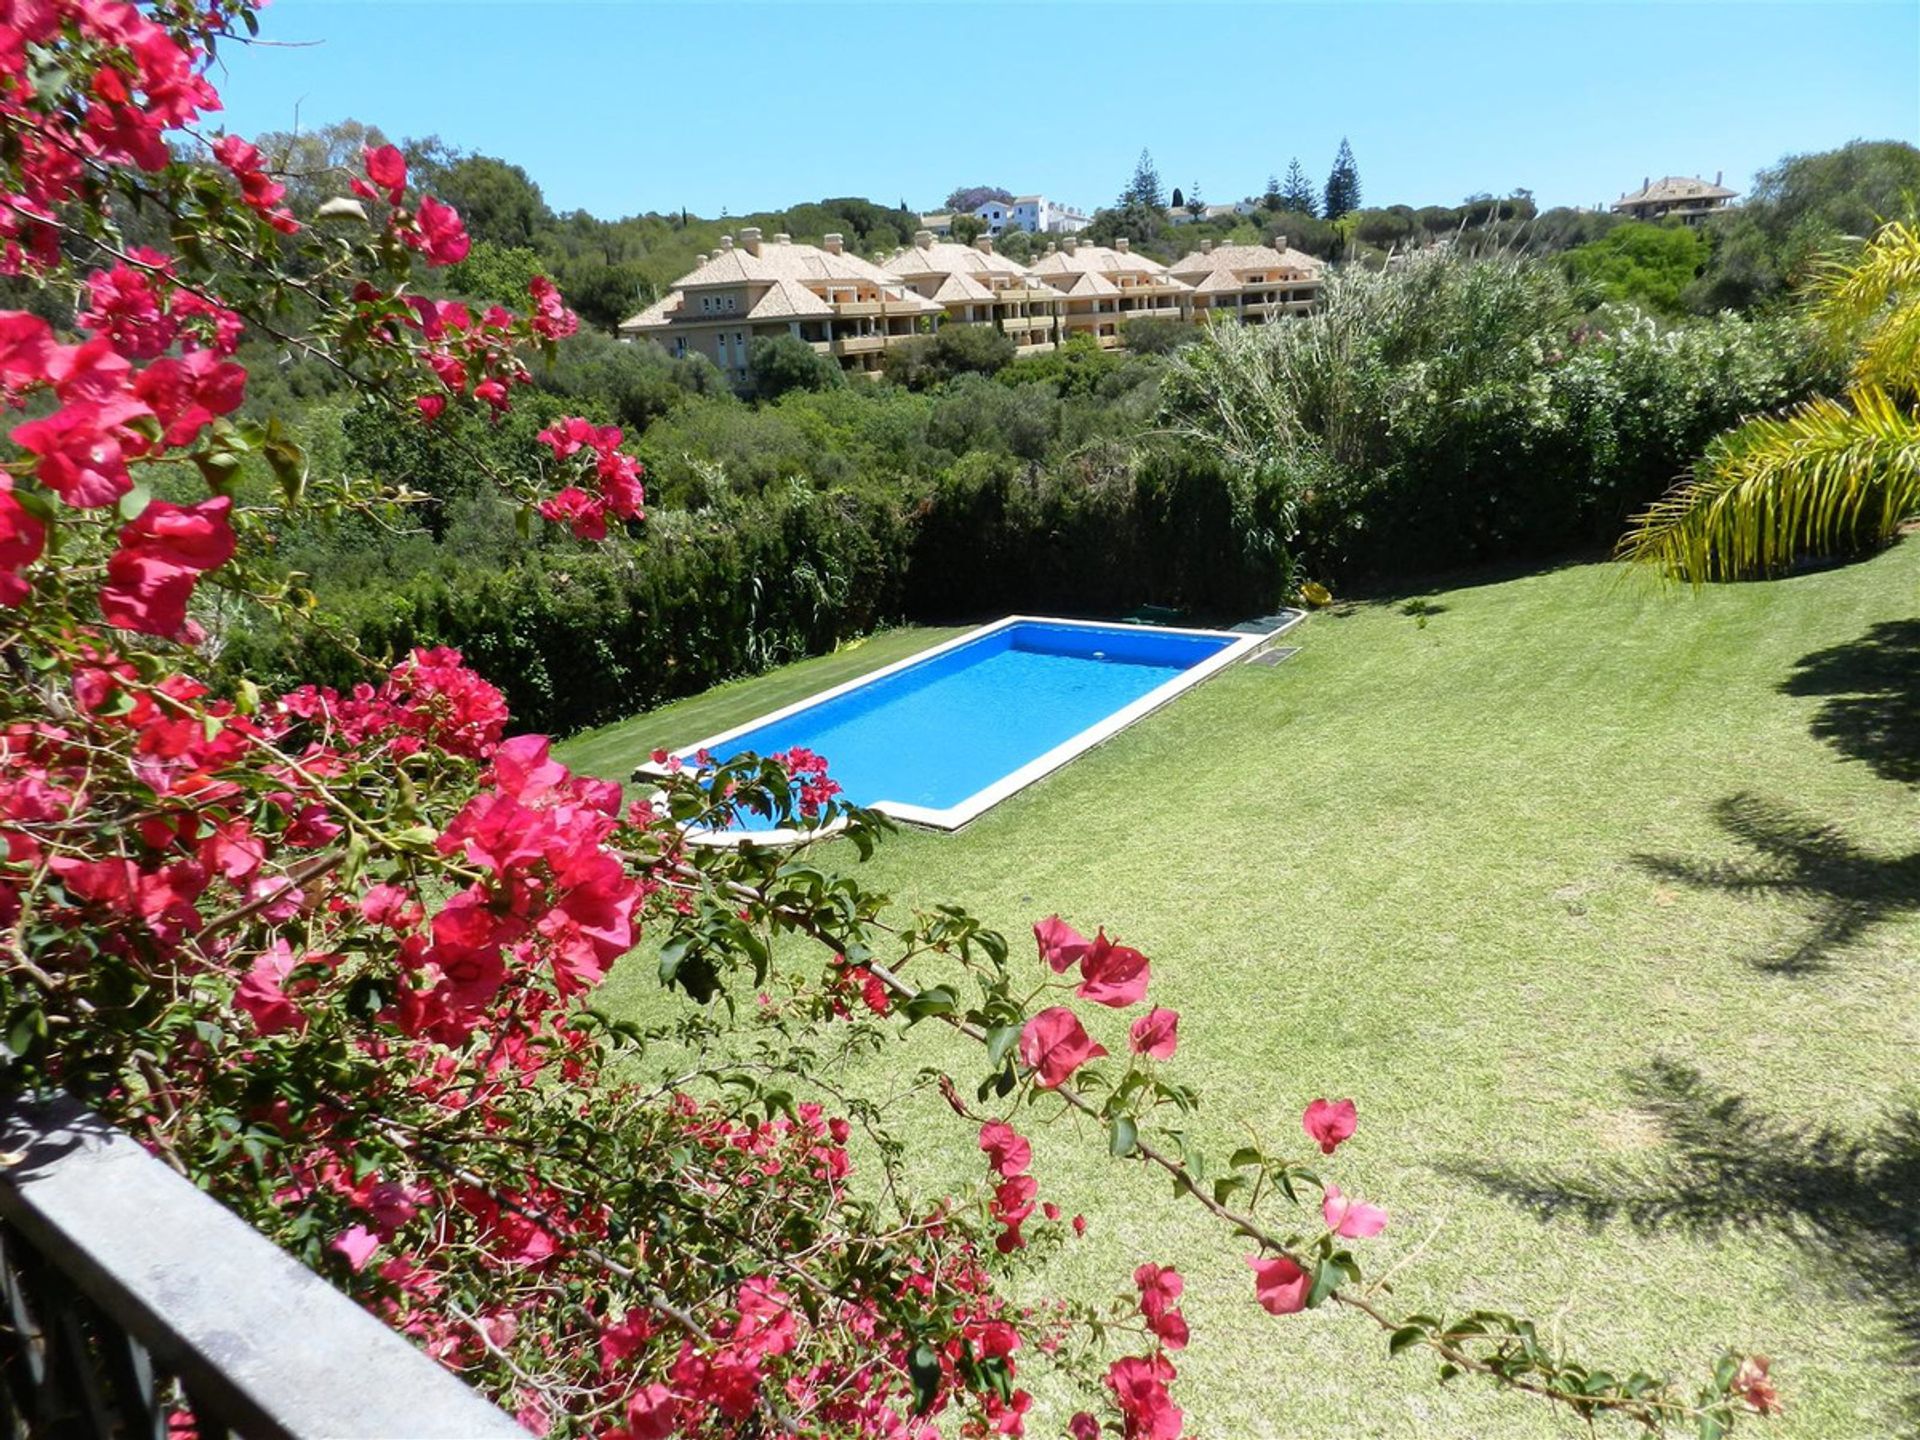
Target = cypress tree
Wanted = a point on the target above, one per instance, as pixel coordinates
(1178, 203)
(1343, 183)
(1297, 195)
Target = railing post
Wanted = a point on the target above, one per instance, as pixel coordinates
(118, 1277)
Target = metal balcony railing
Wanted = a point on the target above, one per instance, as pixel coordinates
(126, 1293)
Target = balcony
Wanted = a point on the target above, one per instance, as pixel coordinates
(877, 307)
(860, 344)
(130, 1296)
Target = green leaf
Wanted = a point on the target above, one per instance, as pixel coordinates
(1403, 1337)
(1326, 1279)
(1122, 1136)
(1000, 1042)
(134, 501)
(923, 1369)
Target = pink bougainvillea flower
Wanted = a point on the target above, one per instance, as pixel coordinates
(1054, 1044)
(1755, 1389)
(1160, 1288)
(22, 538)
(387, 168)
(1139, 1386)
(1007, 1151)
(1061, 946)
(652, 1413)
(1352, 1218)
(1112, 975)
(1155, 1034)
(81, 459)
(1329, 1122)
(194, 537)
(1083, 1427)
(443, 239)
(1279, 1284)
(357, 1244)
(146, 593)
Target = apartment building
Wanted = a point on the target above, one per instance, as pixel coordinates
(838, 303)
(975, 285)
(1679, 197)
(1256, 283)
(1106, 286)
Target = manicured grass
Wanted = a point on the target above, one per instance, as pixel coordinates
(1601, 902)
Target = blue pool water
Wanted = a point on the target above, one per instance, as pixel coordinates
(944, 729)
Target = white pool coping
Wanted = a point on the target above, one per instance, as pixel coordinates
(952, 817)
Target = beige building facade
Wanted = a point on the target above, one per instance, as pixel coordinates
(1255, 283)
(839, 304)
(974, 285)
(855, 311)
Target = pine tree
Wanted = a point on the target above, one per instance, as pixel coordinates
(1196, 207)
(1343, 183)
(1271, 199)
(1144, 188)
(1297, 194)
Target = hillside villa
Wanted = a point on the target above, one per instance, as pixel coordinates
(1678, 197)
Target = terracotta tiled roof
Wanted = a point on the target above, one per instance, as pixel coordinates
(778, 261)
(656, 315)
(788, 299)
(1672, 189)
(959, 286)
(1092, 282)
(1097, 260)
(1231, 258)
(948, 258)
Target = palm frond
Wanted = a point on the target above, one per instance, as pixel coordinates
(1829, 475)
(1871, 298)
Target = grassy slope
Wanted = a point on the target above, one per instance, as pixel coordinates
(1442, 869)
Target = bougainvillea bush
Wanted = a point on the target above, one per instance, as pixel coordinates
(333, 954)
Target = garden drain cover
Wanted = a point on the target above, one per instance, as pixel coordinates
(1275, 655)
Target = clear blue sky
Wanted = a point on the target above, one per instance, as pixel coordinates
(620, 108)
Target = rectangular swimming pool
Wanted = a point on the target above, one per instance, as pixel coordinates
(939, 737)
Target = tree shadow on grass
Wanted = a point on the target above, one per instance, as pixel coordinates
(1849, 1202)
(1847, 890)
(1872, 690)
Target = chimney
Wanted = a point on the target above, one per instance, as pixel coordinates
(1051, 248)
(750, 238)
(783, 239)
(1070, 244)
(726, 242)
(1123, 244)
(983, 243)
(923, 239)
(1716, 177)
(1646, 182)
(1206, 247)
(700, 260)
(833, 244)
(1280, 243)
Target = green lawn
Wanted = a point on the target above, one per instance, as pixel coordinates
(1603, 904)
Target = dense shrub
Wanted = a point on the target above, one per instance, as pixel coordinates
(1448, 411)
(577, 635)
